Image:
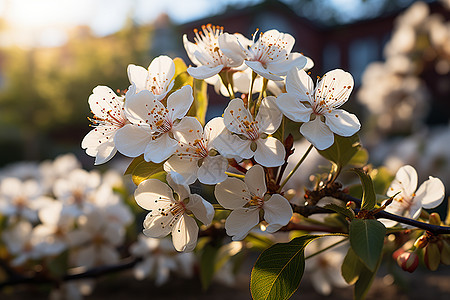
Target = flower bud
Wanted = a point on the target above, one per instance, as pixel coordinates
(421, 242)
(397, 253)
(435, 219)
(408, 261)
(445, 252)
(351, 204)
(432, 256)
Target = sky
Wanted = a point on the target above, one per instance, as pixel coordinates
(46, 22)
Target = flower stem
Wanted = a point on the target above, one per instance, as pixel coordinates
(235, 175)
(295, 168)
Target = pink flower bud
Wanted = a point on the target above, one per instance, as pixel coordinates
(435, 219)
(408, 261)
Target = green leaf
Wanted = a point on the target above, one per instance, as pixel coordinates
(279, 269)
(351, 267)
(360, 158)
(207, 265)
(145, 170)
(182, 77)
(369, 199)
(366, 239)
(365, 280)
(381, 178)
(341, 210)
(200, 105)
(258, 242)
(134, 164)
(342, 150)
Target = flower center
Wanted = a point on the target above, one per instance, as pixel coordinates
(208, 41)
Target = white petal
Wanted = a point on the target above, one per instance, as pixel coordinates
(317, 133)
(102, 100)
(255, 179)
(163, 69)
(213, 129)
(342, 122)
(270, 152)
(405, 181)
(131, 140)
(160, 149)
(179, 102)
(152, 194)
(138, 107)
(202, 209)
(240, 222)
(292, 108)
(188, 130)
(185, 167)
(157, 226)
(431, 193)
(191, 48)
(258, 68)
(175, 182)
(236, 113)
(231, 47)
(299, 84)
(184, 234)
(231, 146)
(335, 86)
(137, 76)
(232, 193)
(269, 116)
(282, 67)
(99, 143)
(203, 72)
(277, 212)
(213, 169)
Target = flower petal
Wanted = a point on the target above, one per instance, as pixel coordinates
(179, 102)
(202, 209)
(269, 116)
(300, 84)
(191, 48)
(185, 167)
(335, 86)
(160, 148)
(213, 169)
(203, 72)
(230, 46)
(342, 123)
(255, 179)
(431, 193)
(137, 76)
(157, 226)
(240, 222)
(99, 143)
(213, 129)
(292, 108)
(282, 66)
(270, 152)
(183, 191)
(277, 212)
(232, 193)
(187, 130)
(236, 113)
(161, 72)
(232, 146)
(153, 194)
(184, 234)
(102, 100)
(317, 133)
(405, 181)
(139, 107)
(131, 140)
(259, 69)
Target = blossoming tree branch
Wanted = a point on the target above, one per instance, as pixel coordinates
(219, 187)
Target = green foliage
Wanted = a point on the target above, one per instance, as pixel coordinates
(200, 104)
(279, 269)
(366, 239)
(207, 264)
(364, 282)
(141, 170)
(341, 210)
(369, 198)
(351, 267)
(342, 150)
(182, 77)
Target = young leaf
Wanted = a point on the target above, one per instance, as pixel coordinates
(342, 150)
(366, 239)
(366, 277)
(134, 164)
(341, 210)
(279, 269)
(182, 77)
(146, 170)
(351, 267)
(200, 105)
(369, 199)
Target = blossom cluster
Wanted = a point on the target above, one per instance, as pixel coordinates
(151, 120)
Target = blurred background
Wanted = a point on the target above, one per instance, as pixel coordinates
(53, 53)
